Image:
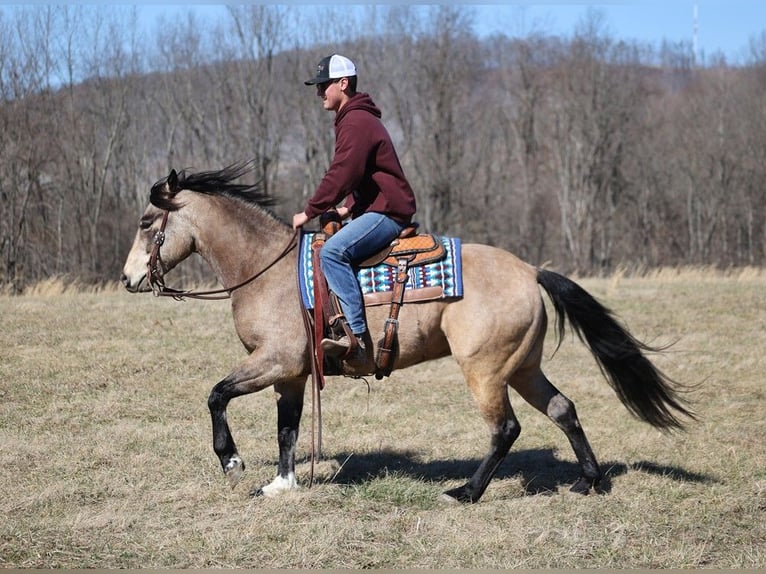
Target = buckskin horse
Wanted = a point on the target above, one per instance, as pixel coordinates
(495, 331)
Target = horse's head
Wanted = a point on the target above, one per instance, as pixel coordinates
(162, 240)
(179, 217)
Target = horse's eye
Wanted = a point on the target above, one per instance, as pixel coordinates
(145, 223)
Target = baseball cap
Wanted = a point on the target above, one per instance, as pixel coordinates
(331, 68)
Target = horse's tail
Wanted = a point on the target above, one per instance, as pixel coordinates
(644, 390)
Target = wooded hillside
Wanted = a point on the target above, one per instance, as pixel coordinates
(585, 151)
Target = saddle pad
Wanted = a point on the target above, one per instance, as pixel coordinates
(426, 282)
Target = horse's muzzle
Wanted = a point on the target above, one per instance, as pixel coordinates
(140, 286)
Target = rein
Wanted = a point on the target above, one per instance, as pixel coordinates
(317, 384)
(157, 282)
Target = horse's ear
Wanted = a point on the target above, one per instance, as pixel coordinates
(173, 182)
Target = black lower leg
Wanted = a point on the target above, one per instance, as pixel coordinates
(562, 412)
(223, 442)
(591, 473)
(502, 441)
(289, 412)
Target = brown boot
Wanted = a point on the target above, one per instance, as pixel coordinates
(354, 356)
(335, 347)
(357, 359)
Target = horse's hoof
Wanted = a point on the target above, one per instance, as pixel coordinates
(234, 472)
(449, 499)
(460, 494)
(583, 485)
(276, 487)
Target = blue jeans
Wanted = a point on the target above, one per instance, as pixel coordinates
(357, 240)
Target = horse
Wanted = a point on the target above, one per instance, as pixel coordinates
(495, 331)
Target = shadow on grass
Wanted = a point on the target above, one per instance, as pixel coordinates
(540, 471)
(670, 472)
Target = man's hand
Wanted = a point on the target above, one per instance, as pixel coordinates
(299, 220)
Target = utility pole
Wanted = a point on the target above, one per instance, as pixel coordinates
(695, 47)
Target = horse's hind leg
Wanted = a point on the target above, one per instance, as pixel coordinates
(495, 407)
(538, 391)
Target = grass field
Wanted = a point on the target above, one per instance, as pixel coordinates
(106, 458)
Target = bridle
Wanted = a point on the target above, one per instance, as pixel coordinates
(157, 282)
(154, 265)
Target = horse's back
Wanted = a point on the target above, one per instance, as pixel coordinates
(497, 270)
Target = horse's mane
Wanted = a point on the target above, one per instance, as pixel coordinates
(219, 182)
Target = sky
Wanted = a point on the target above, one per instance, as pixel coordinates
(724, 26)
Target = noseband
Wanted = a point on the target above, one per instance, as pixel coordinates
(157, 282)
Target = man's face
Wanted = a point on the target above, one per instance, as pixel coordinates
(332, 94)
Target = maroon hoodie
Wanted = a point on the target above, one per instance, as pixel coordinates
(365, 169)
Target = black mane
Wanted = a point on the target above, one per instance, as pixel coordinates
(213, 183)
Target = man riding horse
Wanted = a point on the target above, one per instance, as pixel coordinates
(366, 172)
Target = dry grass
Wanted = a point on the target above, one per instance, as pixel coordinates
(106, 461)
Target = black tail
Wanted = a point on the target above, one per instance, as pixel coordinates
(644, 390)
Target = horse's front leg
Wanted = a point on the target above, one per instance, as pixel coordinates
(250, 379)
(289, 410)
(223, 442)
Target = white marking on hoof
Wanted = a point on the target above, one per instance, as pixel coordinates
(235, 470)
(279, 485)
(444, 497)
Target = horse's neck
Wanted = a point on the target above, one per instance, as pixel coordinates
(238, 241)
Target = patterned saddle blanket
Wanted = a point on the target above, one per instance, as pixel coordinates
(440, 280)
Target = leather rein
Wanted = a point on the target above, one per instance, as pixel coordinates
(157, 281)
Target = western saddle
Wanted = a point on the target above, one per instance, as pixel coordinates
(409, 249)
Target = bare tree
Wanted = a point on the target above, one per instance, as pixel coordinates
(708, 147)
(260, 32)
(435, 111)
(590, 111)
(92, 130)
(25, 66)
(515, 178)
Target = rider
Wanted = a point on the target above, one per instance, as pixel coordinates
(366, 172)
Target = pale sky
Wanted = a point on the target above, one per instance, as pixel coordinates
(722, 25)
(725, 26)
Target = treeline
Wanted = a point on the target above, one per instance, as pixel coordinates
(586, 152)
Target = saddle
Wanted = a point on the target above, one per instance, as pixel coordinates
(407, 250)
(417, 249)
